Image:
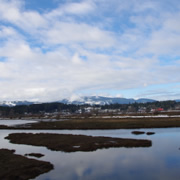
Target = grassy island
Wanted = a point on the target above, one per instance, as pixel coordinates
(73, 143)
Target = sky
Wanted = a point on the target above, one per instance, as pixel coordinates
(56, 49)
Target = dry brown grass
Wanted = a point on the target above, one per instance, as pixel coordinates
(104, 123)
(72, 143)
(127, 123)
(17, 167)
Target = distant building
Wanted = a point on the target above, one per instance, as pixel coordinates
(142, 110)
(159, 109)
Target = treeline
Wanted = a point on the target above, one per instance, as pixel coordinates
(38, 109)
(72, 108)
(166, 105)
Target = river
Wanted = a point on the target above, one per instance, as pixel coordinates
(161, 161)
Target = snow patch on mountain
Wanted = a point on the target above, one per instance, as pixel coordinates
(100, 100)
(15, 103)
(92, 100)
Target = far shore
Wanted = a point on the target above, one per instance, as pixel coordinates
(99, 123)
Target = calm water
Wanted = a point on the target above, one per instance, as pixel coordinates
(16, 122)
(161, 161)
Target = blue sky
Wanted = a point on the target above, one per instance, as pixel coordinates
(50, 50)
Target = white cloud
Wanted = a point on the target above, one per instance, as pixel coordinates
(79, 8)
(164, 38)
(76, 59)
(69, 33)
(13, 12)
(52, 55)
(6, 32)
(9, 10)
(72, 8)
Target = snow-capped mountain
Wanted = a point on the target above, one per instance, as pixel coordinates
(92, 100)
(99, 100)
(15, 103)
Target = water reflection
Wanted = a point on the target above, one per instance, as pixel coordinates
(161, 161)
(113, 164)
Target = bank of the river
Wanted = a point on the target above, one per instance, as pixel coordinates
(14, 166)
(101, 123)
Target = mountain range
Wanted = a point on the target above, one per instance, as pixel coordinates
(100, 100)
(92, 100)
(15, 103)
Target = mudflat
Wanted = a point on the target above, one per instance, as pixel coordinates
(142, 132)
(38, 155)
(73, 143)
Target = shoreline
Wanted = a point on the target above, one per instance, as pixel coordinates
(98, 123)
(14, 166)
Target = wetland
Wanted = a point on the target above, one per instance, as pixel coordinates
(94, 153)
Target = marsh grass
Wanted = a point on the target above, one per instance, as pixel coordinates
(108, 123)
(73, 143)
(17, 167)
